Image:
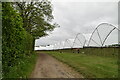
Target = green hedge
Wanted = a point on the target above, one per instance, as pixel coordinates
(17, 44)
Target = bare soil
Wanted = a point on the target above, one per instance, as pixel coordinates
(49, 67)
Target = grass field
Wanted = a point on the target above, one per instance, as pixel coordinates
(90, 66)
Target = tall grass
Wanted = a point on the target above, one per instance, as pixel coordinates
(24, 68)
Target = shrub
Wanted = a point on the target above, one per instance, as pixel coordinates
(16, 42)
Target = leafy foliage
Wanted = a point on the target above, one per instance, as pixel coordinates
(16, 42)
(37, 17)
(22, 23)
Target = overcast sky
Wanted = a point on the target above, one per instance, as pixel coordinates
(76, 16)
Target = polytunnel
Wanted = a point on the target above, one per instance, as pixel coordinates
(105, 34)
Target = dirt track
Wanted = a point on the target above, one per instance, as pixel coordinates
(49, 67)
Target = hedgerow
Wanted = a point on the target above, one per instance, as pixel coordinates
(17, 44)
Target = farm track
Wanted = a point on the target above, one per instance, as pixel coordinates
(48, 67)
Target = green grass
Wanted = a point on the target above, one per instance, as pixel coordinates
(24, 69)
(0, 70)
(90, 66)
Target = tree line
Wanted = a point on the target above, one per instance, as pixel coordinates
(22, 23)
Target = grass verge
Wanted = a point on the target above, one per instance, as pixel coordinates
(90, 66)
(24, 68)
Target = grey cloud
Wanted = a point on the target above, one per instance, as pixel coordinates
(75, 17)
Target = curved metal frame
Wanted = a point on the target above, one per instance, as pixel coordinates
(67, 42)
(78, 39)
(96, 29)
(102, 43)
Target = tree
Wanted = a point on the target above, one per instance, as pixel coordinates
(37, 17)
(16, 43)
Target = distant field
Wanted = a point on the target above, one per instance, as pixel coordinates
(90, 66)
